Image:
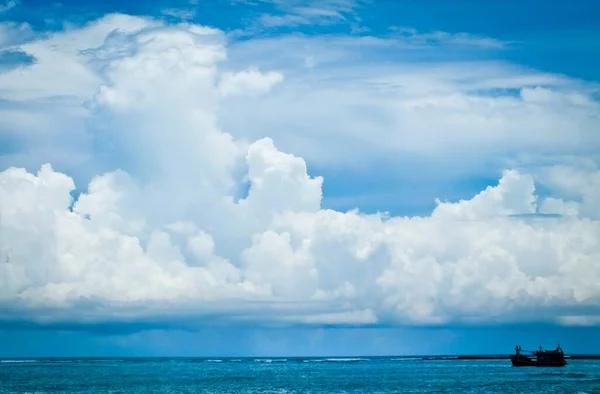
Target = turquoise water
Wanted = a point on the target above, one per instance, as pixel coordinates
(293, 375)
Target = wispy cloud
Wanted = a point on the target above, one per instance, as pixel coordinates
(310, 12)
(180, 13)
(10, 4)
(411, 35)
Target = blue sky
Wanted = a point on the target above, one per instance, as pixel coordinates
(490, 107)
(340, 342)
(553, 36)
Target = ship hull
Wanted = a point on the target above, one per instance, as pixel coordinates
(530, 362)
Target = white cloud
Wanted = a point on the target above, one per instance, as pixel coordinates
(580, 320)
(514, 195)
(580, 183)
(167, 236)
(371, 99)
(12, 33)
(332, 264)
(334, 88)
(60, 69)
(248, 82)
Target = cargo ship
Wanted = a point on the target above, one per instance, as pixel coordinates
(538, 358)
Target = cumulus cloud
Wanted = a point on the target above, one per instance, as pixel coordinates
(513, 195)
(463, 262)
(576, 188)
(171, 234)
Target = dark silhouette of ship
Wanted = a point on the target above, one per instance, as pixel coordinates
(538, 358)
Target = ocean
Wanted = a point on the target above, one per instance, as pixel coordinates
(293, 375)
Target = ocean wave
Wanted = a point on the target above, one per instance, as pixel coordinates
(270, 360)
(335, 360)
(59, 361)
(425, 358)
(18, 361)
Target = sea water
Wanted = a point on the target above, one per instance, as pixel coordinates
(293, 375)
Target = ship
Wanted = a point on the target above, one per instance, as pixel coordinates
(538, 358)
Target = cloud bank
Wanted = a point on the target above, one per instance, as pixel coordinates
(171, 233)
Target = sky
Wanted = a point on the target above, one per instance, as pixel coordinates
(298, 177)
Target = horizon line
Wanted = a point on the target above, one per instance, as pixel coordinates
(465, 356)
